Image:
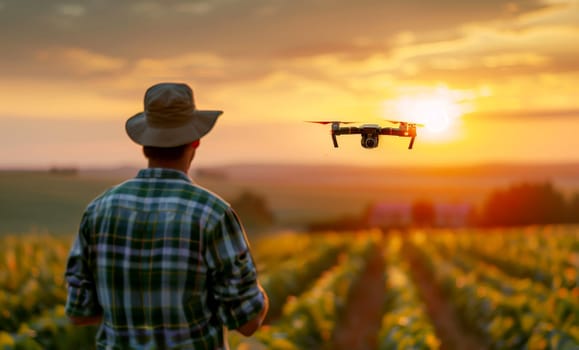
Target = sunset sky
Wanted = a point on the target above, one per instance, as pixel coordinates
(495, 81)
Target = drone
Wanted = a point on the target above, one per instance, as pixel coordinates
(371, 132)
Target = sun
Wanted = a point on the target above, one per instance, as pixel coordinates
(438, 110)
(433, 112)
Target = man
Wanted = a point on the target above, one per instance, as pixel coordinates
(159, 262)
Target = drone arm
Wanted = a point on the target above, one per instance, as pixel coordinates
(347, 131)
(336, 130)
(389, 131)
(398, 132)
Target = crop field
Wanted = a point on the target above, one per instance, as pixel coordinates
(424, 289)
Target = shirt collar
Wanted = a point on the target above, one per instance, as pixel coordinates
(162, 173)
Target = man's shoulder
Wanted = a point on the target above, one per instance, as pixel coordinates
(182, 191)
(96, 201)
(210, 198)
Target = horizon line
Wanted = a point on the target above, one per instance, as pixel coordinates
(112, 167)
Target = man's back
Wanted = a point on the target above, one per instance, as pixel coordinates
(161, 251)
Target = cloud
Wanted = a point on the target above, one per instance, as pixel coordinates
(483, 53)
(160, 11)
(205, 63)
(559, 13)
(68, 98)
(252, 29)
(195, 8)
(147, 8)
(530, 59)
(71, 10)
(545, 114)
(267, 9)
(79, 61)
(304, 52)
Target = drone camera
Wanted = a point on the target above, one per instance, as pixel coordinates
(369, 140)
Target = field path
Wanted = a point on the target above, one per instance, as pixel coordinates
(360, 322)
(449, 328)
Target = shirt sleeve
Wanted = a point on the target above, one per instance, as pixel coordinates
(233, 273)
(82, 300)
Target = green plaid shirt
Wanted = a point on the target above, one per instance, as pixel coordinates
(166, 262)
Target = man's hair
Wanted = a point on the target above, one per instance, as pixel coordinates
(164, 153)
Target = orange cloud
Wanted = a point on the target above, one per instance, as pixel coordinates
(80, 61)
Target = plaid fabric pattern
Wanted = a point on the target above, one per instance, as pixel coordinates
(167, 264)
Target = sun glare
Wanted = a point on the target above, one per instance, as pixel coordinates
(437, 110)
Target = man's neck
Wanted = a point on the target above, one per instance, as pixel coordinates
(176, 165)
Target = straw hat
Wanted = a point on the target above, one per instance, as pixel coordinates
(170, 118)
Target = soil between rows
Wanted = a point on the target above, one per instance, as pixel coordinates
(453, 334)
(359, 325)
(361, 321)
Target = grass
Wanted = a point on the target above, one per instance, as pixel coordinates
(40, 201)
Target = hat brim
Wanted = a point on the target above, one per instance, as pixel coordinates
(201, 122)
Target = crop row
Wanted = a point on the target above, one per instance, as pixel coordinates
(309, 319)
(546, 255)
(31, 277)
(405, 324)
(282, 279)
(510, 312)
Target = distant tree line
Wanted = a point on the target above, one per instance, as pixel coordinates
(517, 205)
(528, 204)
(254, 211)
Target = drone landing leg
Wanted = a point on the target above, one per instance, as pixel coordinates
(334, 140)
(411, 143)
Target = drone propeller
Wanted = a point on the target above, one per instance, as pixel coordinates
(416, 124)
(329, 122)
(402, 122)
